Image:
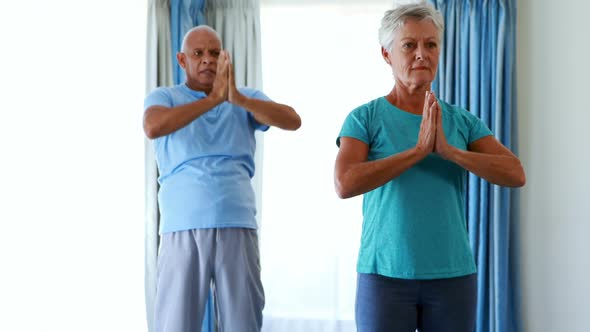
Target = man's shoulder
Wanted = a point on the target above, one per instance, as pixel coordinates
(164, 91)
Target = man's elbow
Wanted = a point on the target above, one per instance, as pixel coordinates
(151, 131)
(294, 120)
(296, 123)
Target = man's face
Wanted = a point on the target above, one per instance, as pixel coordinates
(199, 59)
(414, 54)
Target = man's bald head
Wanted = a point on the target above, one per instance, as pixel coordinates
(196, 32)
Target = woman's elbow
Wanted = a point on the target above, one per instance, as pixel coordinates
(342, 190)
(516, 178)
(520, 179)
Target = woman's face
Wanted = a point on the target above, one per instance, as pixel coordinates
(414, 53)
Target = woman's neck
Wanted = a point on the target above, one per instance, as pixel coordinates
(408, 99)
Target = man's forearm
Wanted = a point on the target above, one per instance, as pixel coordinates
(160, 121)
(271, 113)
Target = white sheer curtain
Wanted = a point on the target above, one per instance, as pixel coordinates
(238, 24)
(324, 59)
(158, 73)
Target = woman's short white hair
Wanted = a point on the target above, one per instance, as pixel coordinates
(395, 18)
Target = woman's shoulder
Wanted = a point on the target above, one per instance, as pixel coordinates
(369, 107)
(459, 113)
(452, 108)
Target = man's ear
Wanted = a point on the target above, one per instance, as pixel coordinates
(181, 57)
(385, 55)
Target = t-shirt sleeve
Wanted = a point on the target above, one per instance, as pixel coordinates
(159, 96)
(256, 94)
(356, 126)
(478, 129)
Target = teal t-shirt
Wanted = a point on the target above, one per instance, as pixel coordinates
(414, 226)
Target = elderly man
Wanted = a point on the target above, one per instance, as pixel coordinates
(203, 134)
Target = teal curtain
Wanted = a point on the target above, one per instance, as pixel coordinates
(477, 71)
(184, 15)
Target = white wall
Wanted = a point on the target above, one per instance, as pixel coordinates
(554, 114)
(72, 83)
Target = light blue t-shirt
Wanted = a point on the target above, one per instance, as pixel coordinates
(206, 167)
(414, 226)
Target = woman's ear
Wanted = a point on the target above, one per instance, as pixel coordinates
(385, 55)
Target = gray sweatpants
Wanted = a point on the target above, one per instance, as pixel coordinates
(187, 263)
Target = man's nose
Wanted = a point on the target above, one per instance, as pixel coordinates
(208, 58)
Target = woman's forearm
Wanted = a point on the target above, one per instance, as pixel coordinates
(352, 179)
(500, 169)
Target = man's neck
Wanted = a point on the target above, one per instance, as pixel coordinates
(198, 87)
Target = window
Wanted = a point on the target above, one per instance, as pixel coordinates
(324, 60)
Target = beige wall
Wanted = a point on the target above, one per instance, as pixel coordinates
(553, 61)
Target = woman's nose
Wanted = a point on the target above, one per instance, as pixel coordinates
(420, 52)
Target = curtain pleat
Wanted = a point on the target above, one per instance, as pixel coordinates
(477, 71)
(238, 24)
(158, 73)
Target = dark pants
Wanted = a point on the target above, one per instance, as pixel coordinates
(399, 305)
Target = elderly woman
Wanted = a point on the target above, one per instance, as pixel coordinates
(408, 153)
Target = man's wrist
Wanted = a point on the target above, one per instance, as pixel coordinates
(240, 100)
(214, 99)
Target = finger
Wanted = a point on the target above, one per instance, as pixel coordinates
(439, 115)
(425, 108)
(432, 98)
(225, 68)
(232, 80)
(221, 60)
(433, 115)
